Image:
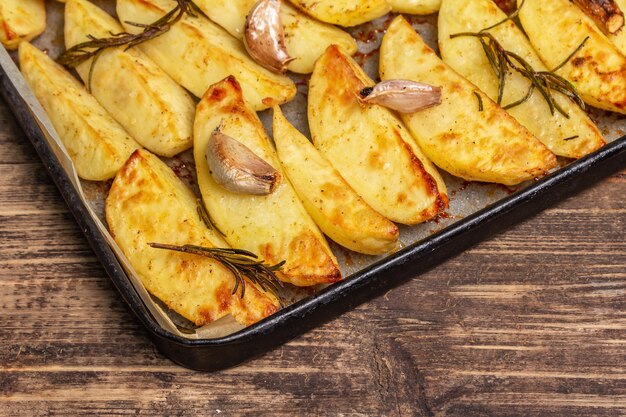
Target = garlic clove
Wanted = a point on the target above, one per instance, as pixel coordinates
(264, 36)
(236, 168)
(404, 96)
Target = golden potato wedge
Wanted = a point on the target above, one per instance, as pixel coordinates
(197, 53)
(343, 12)
(419, 7)
(466, 56)
(369, 146)
(155, 110)
(332, 203)
(483, 145)
(95, 142)
(147, 203)
(276, 226)
(21, 20)
(556, 28)
(305, 38)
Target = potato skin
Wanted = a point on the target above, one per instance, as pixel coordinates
(21, 20)
(197, 53)
(96, 143)
(148, 203)
(276, 226)
(369, 145)
(555, 29)
(306, 39)
(476, 145)
(336, 208)
(155, 110)
(343, 12)
(466, 56)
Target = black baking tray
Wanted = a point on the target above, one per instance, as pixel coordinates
(215, 354)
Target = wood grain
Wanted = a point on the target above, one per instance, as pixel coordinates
(530, 323)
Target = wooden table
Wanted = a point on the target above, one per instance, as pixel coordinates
(530, 323)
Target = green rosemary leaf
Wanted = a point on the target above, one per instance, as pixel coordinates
(244, 265)
(480, 101)
(206, 217)
(546, 82)
(570, 56)
(509, 17)
(92, 48)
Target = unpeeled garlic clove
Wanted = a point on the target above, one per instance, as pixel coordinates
(404, 96)
(236, 168)
(264, 36)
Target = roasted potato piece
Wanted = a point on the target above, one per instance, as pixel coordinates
(197, 53)
(369, 146)
(332, 203)
(420, 7)
(343, 12)
(148, 203)
(95, 142)
(305, 38)
(155, 110)
(466, 56)
(556, 28)
(474, 143)
(21, 20)
(275, 226)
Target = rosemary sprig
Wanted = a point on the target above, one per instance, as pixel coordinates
(206, 217)
(92, 48)
(480, 101)
(546, 82)
(241, 263)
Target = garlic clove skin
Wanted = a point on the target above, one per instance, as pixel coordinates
(264, 36)
(404, 96)
(236, 168)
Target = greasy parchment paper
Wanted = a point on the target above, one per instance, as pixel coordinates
(465, 197)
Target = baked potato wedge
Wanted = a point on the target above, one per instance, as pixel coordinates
(198, 53)
(332, 203)
(419, 7)
(556, 28)
(21, 20)
(306, 39)
(573, 136)
(343, 12)
(96, 143)
(276, 226)
(369, 145)
(152, 108)
(470, 138)
(147, 203)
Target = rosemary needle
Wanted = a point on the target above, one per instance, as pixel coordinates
(241, 263)
(92, 48)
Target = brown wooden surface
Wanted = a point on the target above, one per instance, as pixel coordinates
(530, 323)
